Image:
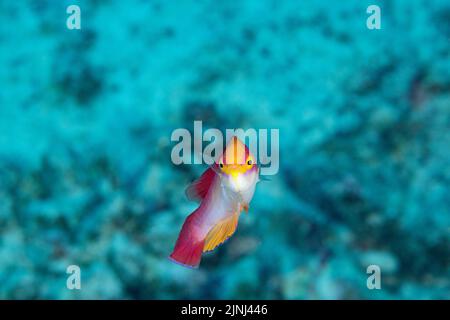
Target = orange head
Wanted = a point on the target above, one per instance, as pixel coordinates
(237, 164)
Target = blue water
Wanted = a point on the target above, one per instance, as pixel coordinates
(86, 176)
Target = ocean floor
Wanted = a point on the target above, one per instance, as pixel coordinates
(86, 118)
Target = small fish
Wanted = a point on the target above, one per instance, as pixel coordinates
(224, 190)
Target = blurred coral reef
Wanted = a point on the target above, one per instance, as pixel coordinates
(85, 123)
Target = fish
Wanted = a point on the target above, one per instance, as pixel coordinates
(224, 190)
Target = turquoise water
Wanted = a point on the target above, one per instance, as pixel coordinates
(86, 176)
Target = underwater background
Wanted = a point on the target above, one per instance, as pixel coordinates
(86, 176)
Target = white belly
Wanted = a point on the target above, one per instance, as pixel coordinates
(221, 202)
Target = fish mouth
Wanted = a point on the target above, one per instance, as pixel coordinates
(240, 188)
(234, 183)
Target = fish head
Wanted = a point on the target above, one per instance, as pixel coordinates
(237, 166)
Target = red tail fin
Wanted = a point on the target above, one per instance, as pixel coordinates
(189, 247)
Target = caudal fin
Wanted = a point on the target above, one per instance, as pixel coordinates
(188, 249)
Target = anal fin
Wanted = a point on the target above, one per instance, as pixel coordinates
(221, 232)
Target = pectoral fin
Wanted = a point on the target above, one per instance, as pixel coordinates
(221, 232)
(198, 189)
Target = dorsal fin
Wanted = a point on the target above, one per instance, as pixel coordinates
(221, 232)
(198, 189)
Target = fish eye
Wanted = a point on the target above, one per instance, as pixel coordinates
(221, 165)
(249, 162)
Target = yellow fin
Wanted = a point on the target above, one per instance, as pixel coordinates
(221, 232)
